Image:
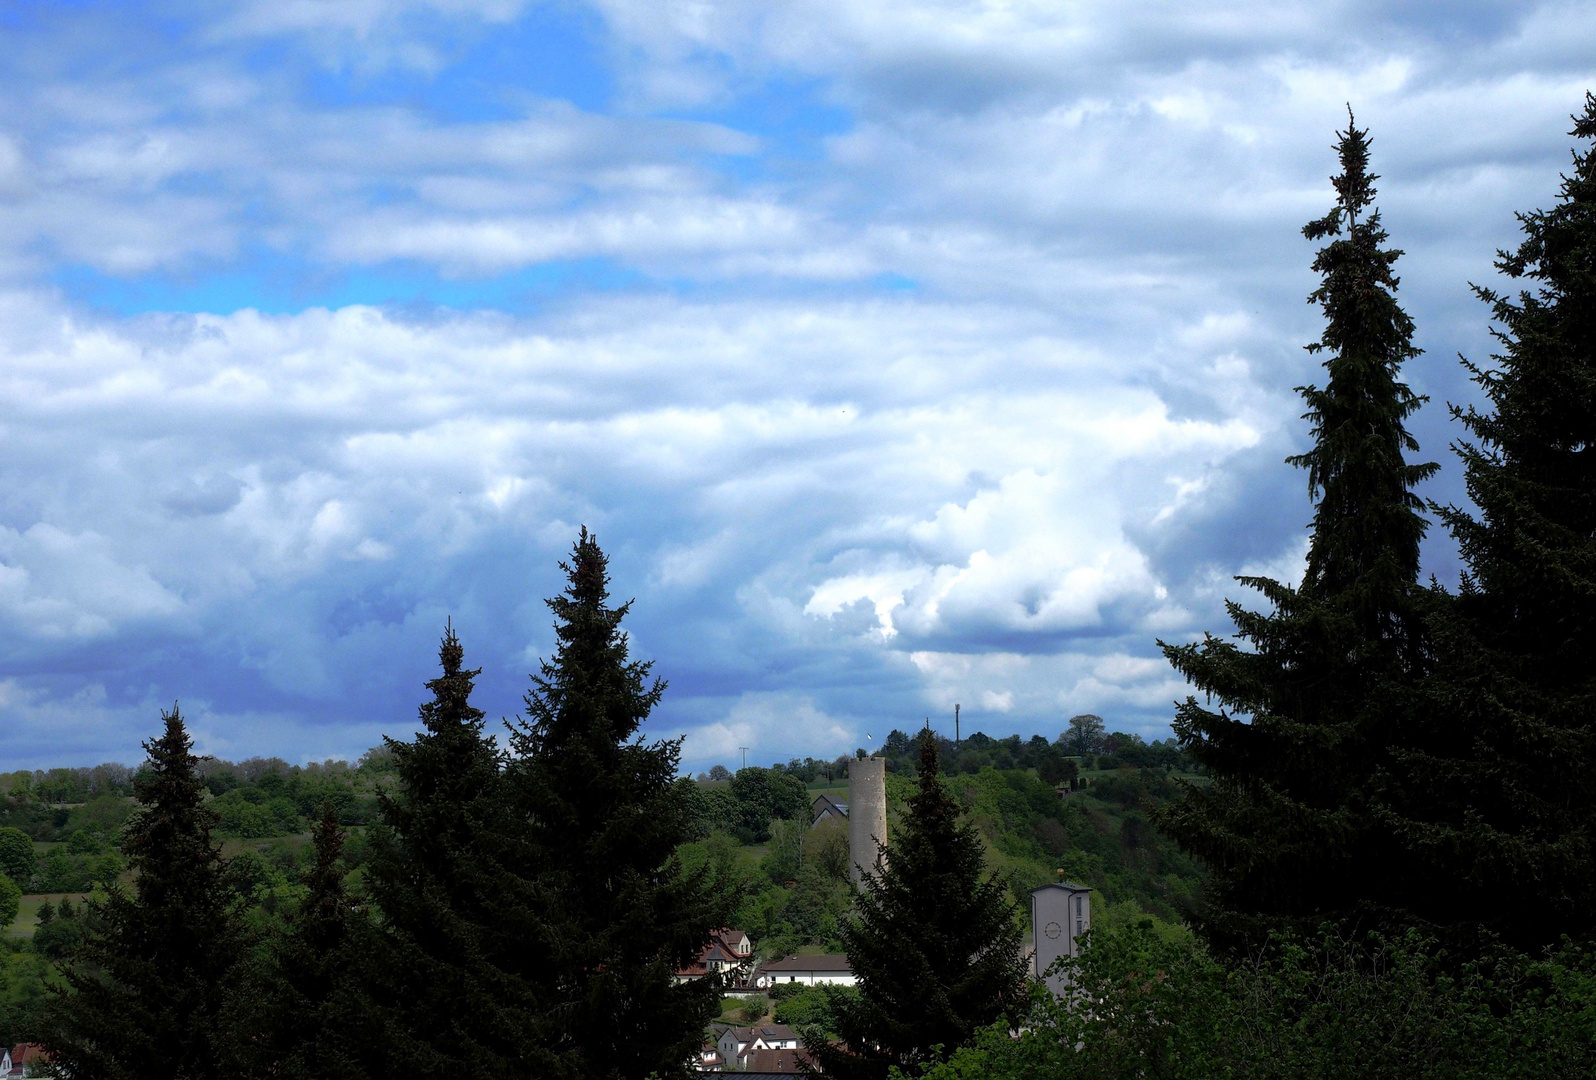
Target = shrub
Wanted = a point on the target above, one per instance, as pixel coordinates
(10, 901)
(1161, 1006)
(17, 857)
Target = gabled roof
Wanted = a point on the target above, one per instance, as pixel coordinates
(810, 963)
(826, 802)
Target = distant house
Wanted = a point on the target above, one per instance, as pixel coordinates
(730, 954)
(808, 970)
(778, 1062)
(24, 1059)
(709, 1059)
(737, 1044)
(825, 808)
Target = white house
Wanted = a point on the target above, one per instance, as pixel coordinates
(738, 1043)
(806, 970)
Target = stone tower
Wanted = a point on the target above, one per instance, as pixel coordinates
(867, 813)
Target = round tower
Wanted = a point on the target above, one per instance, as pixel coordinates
(867, 814)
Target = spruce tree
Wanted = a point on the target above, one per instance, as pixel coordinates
(1497, 796)
(1298, 745)
(436, 881)
(150, 980)
(933, 942)
(305, 1014)
(613, 912)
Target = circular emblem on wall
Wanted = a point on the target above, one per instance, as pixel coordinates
(1053, 930)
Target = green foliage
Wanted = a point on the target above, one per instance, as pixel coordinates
(24, 975)
(1298, 732)
(763, 796)
(104, 814)
(1084, 734)
(17, 857)
(810, 1008)
(10, 901)
(153, 970)
(933, 942)
(238, 815)
(1162, 1006)
(1498, 778)
(62, 871)
(58, 938)
(305, 1012)
(785, 850)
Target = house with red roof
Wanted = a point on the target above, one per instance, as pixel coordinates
(24, 1059)
(729, 954)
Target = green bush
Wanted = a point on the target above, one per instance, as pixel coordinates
(104, 815)
(60, 871)
(242, 817)
(10, 901)
(808, 1006)
(17, 857)
(1161, 1006)
(58, 939)
(85, 842)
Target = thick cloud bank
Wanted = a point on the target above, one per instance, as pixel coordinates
(900, 354)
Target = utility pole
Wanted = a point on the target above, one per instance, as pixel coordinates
(955, 728)
(744, 749)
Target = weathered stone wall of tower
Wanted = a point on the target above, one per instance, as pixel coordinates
(867, 813)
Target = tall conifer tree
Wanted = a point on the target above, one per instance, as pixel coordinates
(1496, 805)
(614, 912)
(436, 881)
(1300, 736)
(933, 942)
(151, 978)
(305, 1013)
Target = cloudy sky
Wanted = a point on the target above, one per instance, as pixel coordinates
(900, 352)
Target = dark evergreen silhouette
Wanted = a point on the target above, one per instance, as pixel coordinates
(1497, 799)
(305, 1013)
(614, 913)
(933, 941)
(149, 982)
(1298, 742)
(436, 881)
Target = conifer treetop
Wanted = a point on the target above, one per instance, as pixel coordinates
(1367, 523)
(590, 689)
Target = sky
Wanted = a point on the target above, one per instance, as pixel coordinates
(900, 353)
